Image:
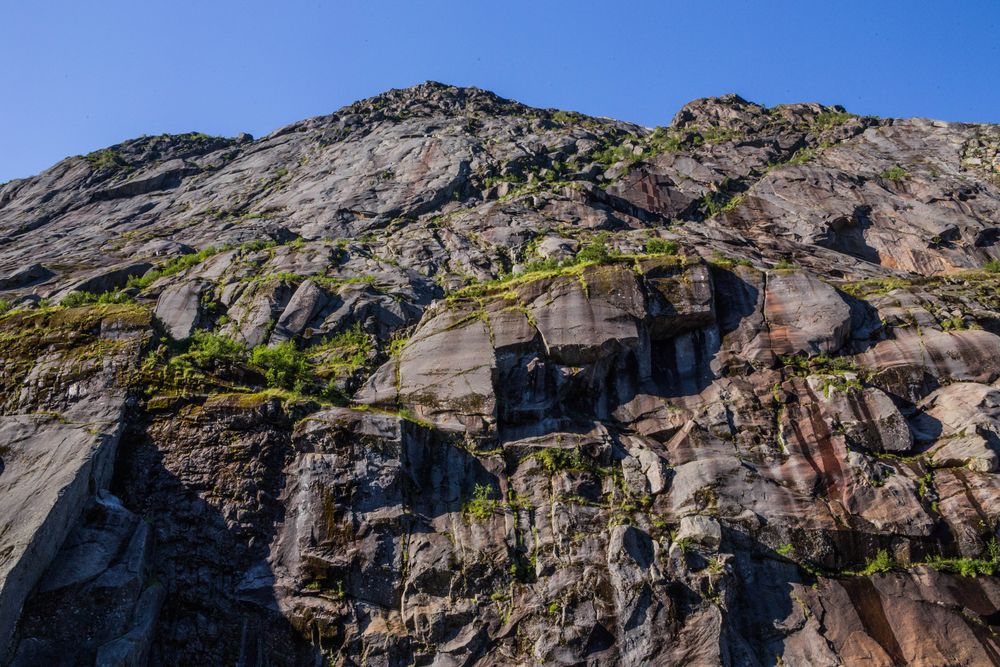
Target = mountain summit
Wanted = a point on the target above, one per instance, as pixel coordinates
(444, 379)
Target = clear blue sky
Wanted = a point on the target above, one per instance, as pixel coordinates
(78, 76)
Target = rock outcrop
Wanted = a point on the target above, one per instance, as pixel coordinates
(442, 379)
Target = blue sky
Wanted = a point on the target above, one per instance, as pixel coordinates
(79, 76)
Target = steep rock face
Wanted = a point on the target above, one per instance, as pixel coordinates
(60, 429)
(443, 379)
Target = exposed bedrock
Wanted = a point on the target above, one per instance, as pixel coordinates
(442, 379)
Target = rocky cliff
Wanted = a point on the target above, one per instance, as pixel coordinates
(443, 379)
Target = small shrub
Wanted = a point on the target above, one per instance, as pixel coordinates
(658, 246)
(548, 264)
(211, 349)
(5, 306)
(785, 549)
(284, 365)
(349, 349)
(894, 174)
(993, 266)
(108, 159)
(175, 265)
(881, 563)
(396, 346)
(554, 459)
(595, 251)
(75, 299)
(955, 323)
(566, 117)
(257, 245)
(828, 119)
(802, 156)
(725, 262)
(482, 506)
(784, 264)
(666, 140)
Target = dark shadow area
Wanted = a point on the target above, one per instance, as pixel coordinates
(202, 555)
(846, 234)
(763, 600)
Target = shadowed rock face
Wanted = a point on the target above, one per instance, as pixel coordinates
(442, 379)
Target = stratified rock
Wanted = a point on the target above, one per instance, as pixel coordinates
(561, 390)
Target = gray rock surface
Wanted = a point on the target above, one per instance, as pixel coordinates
(481, 384)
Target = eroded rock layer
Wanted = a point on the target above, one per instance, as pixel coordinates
(442, 379)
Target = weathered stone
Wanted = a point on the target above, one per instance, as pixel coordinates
(179, 308)
(617, 458)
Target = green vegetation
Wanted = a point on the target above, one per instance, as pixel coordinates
(894, 174)
(785, 550)
(76, 299)
(108, 159)
(396, 346)
(482, 506)
(661, 140)
(992, 266)
(613, 153)
(881, 563)
(725, 262)
(555, 459)
(987, 564)
(5, 306)
(658, 246)
(343, 352)
(722, 201)
(175, 265)
(284, 365)
(784, 264)
(802, 365)
(802, 156)
(875, 286)
(830, 119)
(953, 323)
(595, 252)
(839, 373)
(208, 349)
(566, 117)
